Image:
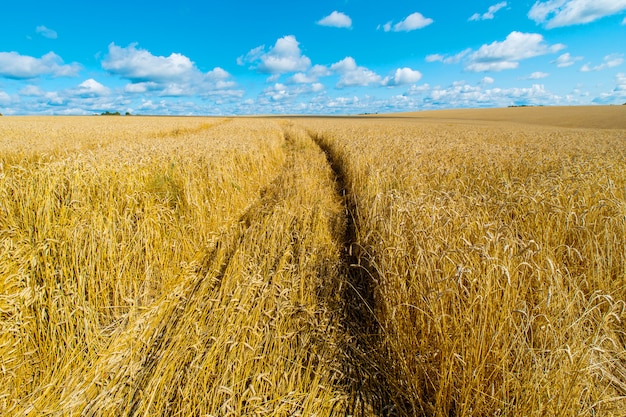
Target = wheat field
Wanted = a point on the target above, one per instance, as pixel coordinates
(461, 263)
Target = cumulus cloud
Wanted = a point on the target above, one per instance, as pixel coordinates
(141, 88)
(92, 88)
(462, 94)
(140, 65)
(319, 71)
(517, 46)
(43, 98)
(16, 66)
(173, 76)
(302, 78)
(503, 55)
(252, 55)
(88, 97)
(489, 14)
(403, 76)
(285, 56)
(280, 92)
(46, 32)
(353, 75)
(610, 61)
(412, 22)
(220, 78)
(218, 73)
(31, 91)
(558, 13)
(336, 19)
(311, 76)
(566, 60)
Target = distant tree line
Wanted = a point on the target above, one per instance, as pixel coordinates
(108, 113)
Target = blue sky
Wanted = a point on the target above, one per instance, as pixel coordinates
(325, 57)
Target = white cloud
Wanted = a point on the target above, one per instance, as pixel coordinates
(284, 57)
(141, 87)
(317, 87)
(277, 92)
(537, 75)
(172, 76)
(487, 80)
(624, 22)
(558, 13)
(566, 60)
(490, 14)
(253, 55)
(517, 46)
(302, 78)
(418, 89)
(461, 94)
(319, 71)
(412, 22)
(498, 56)
(46, 32)
(336, 19)
(220, 78)
(610, 61)
(403, 76)
(311, 76)
(353, 75)
(454, 59)
(282, 93)
(46, 98)
(176, 90)
(14, 65)
(92, 88)
(218, 73)
(140, 65)
(435, 58)
(31, 91)
(344, 104)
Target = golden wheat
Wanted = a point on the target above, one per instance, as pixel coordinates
(138, 276)
(422, 265)
(498, 256)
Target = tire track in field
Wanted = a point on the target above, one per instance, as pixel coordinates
(366, 380)
(211, 275)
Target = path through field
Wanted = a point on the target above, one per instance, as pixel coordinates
(253, 325)
(257, 330)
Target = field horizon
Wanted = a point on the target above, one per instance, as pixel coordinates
(583, 116)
